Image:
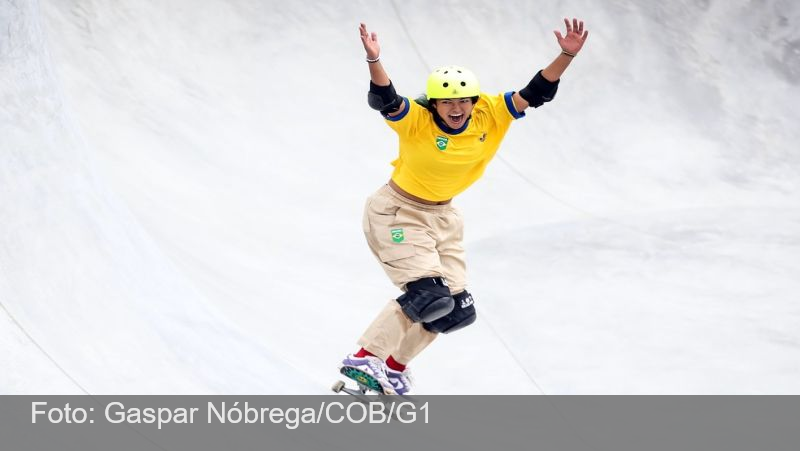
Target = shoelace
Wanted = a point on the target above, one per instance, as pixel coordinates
(378, 370)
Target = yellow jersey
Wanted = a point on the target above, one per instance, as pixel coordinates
(436, 162)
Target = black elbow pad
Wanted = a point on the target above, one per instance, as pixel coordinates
(383, 98)
(539, 90)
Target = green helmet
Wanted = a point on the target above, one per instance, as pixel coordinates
(452, 82)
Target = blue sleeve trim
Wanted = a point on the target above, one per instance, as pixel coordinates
(401, 115)
(510, 106)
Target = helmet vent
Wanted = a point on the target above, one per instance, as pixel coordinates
(463, 83)
(445, 84)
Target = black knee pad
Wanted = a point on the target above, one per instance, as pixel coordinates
(426, 299)
(463, 315)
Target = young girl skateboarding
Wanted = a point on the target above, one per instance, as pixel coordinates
(446, 140)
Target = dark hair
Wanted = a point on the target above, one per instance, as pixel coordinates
(423, 101)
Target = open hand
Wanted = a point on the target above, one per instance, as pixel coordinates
(370, 42)
(575, 37)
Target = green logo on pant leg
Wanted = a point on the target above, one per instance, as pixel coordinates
(398, 236)
(441, 142)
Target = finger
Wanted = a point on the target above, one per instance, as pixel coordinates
(575, 24)
(558, 35)
(585, 35)
(580, 27)
(566, 22)
(375, 36)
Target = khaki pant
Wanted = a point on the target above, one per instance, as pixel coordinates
(411, 240)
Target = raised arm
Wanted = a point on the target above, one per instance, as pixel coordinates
(382, 95)
(542, 88)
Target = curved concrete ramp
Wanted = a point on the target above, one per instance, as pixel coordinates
(181, 186)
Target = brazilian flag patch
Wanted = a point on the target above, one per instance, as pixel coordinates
(398, 236)
(441, 142)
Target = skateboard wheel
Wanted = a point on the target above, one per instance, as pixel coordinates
(337, 386)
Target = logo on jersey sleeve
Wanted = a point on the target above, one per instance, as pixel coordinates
(441, 142)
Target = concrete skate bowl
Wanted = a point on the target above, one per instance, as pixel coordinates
(182, 185)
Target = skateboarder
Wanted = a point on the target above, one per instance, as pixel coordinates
(446, 140)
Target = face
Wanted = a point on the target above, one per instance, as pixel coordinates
(454, 111)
